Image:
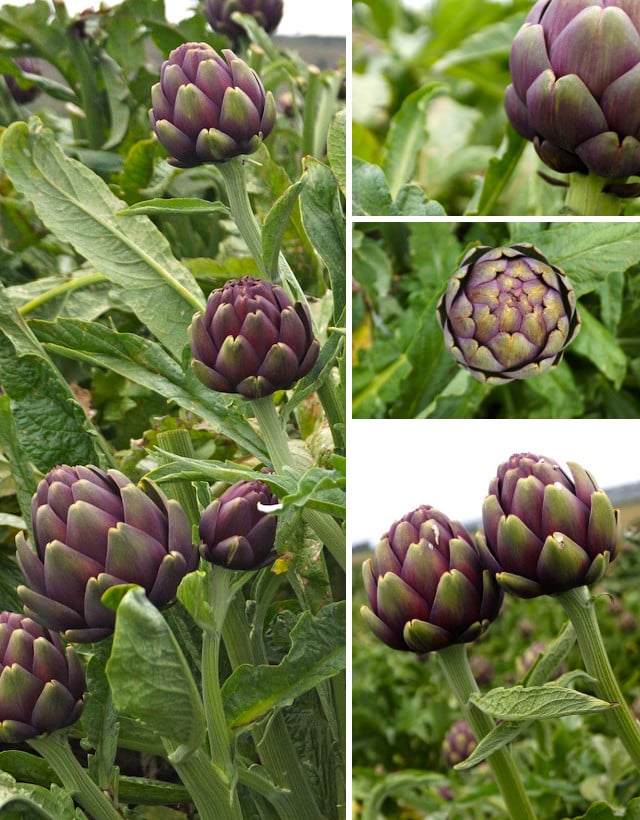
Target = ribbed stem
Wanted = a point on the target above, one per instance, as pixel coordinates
(455, 665)
(273, 741)
(578, 605)
(329, 532)
(273, 433)
(586, 198)
(56, 751)
(233, 175)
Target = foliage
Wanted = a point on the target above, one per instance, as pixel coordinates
(107, 253)
(401, 366)
(429, 130)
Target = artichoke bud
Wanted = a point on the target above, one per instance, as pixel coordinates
(23, 92)
(458, 743)
(235, 533)
(209, 107)
(42, 682)
(267, 13)
(426, 585)
(574, 68)
(93, 530)
(507, 313)
(252, 339)
(547, 530)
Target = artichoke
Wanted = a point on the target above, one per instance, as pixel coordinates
(234, 532)
(507, 313)
(426, 586)
(209, 108)
(458, 743)
(546, 531)
(94, 530)
(41, 682)
(252, 339)
(575, 71)
(267, 14)
(23, 92)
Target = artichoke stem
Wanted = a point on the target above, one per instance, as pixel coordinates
(55, 749)
(233, 175)
(579, 606)
(585, 197)
(273, 432)
(455, 665)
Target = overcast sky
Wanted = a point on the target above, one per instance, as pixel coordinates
(394, 466)
(329, 17)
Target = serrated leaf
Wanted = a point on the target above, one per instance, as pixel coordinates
(600, 346)
(498, 737)
(370, 194)
(537, 702)
(76, 205)
(176, 205)
(406, 137)
(162, 694)
(317, 653)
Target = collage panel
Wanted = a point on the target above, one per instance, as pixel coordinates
(495, 618)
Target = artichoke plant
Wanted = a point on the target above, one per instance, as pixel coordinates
(426, 586)
(575, 70)
(458, 743)
(208, 107)
(546, 530)
(234, 532)
(507, 313)
(41, 682)
(93, 530)
(23, 93)
(267, 14)
(252, 339)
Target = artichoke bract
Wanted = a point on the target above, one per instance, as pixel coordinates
(267, 14)
(546, 530)
(235, 533)
(575, 71)
(208, 107)
(252, 339)
(93, 530)
(42, 682)
(507, 313)
(426, 585)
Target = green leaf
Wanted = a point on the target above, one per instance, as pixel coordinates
(117, 93)
(276, 222)
(537, 702)
(337, 147)
(324, 223)
(320, 489)
(14, 451)
(162, 693)
(600, 346)
(146, 363)
(406, 137)
(20, 800)
(317, 653)
(176, 205)
(497, 738)
(78, 207)
(412, 201)
(499, 171)
(370, 193)
(49, 425)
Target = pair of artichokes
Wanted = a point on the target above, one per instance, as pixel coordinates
(430, 584)
(94, 529)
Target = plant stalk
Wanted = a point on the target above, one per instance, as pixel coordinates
(579, 607)
(233, 175)
(585, 197)
(55, 749)
(455, 664)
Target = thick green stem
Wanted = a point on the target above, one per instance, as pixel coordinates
(273, 432)
(273, 741)
(210, 789)
(586, 198)
(329, 532)
(233, 175)
(55, 750)
(579, 606)
(455, 665)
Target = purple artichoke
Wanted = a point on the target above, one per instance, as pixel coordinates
(252, 339)
(426, 585)
(94, 530)
(234, 532)
(41, 681)
(575, 71)
(458, 743)
(23, 92)
(546, 531)
(507, 313)
(267, 13)
(209, 109)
